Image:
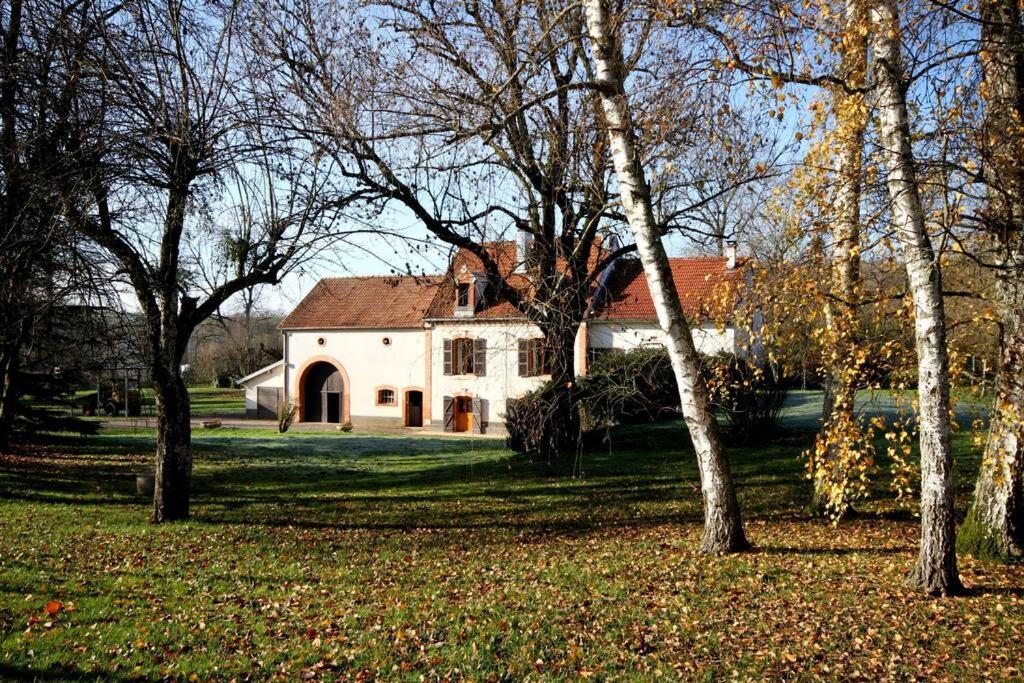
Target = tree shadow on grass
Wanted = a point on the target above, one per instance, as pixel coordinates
(978, 591)
(837, 552)
(10, 672)
(526, 529)
(366, 481)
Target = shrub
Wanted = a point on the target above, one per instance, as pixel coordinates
(545, 420)
(285, 416)
(750, 397)
(640, 386)
(629, 388)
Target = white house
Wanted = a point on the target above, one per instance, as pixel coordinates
(442, 352)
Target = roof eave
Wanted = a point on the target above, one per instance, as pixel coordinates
(266, 368)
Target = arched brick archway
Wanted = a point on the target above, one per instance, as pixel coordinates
(299, 390)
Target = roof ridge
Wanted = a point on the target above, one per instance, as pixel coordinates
(381, 277)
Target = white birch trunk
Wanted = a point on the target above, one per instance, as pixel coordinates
(994, 528)
(936, 569)
(723, 526)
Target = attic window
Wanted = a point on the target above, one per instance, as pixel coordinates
(320, 341)
(462, 296)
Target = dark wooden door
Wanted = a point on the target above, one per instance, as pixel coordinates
(332, 406)
(323, 394)
(414, 409)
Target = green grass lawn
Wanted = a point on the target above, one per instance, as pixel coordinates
(326, 556)
(214, 401)
(206, 402)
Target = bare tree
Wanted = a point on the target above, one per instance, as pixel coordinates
(479, 121)
(476, 121)
(184, 143)
(42, 117)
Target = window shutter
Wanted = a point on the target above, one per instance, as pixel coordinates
(524, 357)
(449, 414)
(480, 357)
(447, 356)
(480, 291)
(479, 416)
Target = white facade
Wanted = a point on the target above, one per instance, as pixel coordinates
(368, 360)
(405, 360)
(709, 339)
(268, 377)
(501, 380)
(380, 351)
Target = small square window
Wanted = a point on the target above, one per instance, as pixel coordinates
(385, 397)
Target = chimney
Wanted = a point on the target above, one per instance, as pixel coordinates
(730, 254)
(523, 241)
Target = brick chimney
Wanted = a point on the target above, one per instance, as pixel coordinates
(523, 242)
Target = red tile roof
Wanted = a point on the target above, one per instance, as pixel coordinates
(405, 302)
(506, 257)
(700, 281)
(443, 305)
(364, 302)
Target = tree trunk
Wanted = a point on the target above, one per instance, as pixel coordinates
(723, 526)
(173, 445)
(563, 423)
(839, 424)
(994, 528)
(936, 569)
(10, 366)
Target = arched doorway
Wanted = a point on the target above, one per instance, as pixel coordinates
(322, 394)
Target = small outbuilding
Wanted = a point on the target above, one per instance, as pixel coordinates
(264, 391)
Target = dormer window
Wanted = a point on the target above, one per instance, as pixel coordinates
(465, 296)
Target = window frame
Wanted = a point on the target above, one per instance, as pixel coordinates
(379, 391)
(463, 356)
(537, 361)
(463, 295)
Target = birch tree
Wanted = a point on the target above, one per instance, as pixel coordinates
(723, 526)
(823, 49)
(936, 569)
(837, 452)
(994, 527)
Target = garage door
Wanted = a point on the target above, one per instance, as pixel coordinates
(267, 399)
